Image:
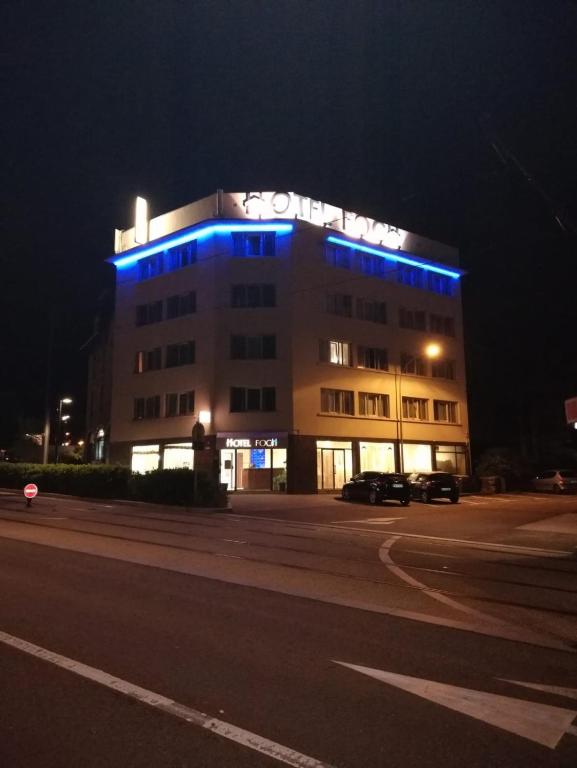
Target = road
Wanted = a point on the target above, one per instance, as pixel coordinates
(289, 630)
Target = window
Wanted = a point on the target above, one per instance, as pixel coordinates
(253, 347)
(374, 311)
(179, 305)
(374, 266)
(415, 408)
(179, 404)
(245, 399)
(147, 407)
(337, 401)
(451, 458)
(338, 256)
(149, 313)
(151, 266)
(340, 304)
(180, 354)
(412, 318)
(150, 360)
(336, 352)
(442, 324)
(251, 244)
(413, 364)
(372, 357)
(373, 404)
(181, 256)
(445, 410)
(442, 284)
(257, 295)
(408, 275)
(443, 369)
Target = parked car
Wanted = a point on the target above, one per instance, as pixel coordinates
(556, 480)
(377, 486)
(426, 486)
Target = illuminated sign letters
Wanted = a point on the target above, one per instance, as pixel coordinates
(290, 205)
(257, 442)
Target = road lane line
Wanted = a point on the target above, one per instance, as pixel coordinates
(385, 557)
(193, 716)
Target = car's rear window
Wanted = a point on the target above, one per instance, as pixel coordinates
(568, 473)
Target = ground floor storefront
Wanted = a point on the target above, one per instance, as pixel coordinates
(283, 462)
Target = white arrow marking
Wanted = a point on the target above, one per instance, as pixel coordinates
(538, 722)
(570, 693)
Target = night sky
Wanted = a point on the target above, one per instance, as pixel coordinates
(457, 120)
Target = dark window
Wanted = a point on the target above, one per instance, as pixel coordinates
(253, 244)
(340, 304)
(415, 408)
(442, 284)
(150, 360)
(149, 313)
(258, 295)
(373, 404)
(412, 318)
(179, 305)
(441, 324)
(147, 407)
(179, 404)
(337, 401)
(338, 256)
(413, 364)
(374, 266)
(151, 266)
(373, 357)
(444, 410)
(171, 405)
(443, 369)
(182, 255)
(180, 354)
(408, 275)
(374, 311)
(248, 399)
(253, 347)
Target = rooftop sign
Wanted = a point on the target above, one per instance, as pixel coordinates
(290, 205)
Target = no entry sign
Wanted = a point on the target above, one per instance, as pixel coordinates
(30, 491)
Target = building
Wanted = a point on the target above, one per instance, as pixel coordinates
(295, 331)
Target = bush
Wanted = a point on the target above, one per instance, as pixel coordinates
(101, 481)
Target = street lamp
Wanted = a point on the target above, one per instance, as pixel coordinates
(432, 350)
(61, 418)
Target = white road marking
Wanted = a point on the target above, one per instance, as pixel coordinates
(373, 520)
(195, 717)
(385, 557)
(566, 523)
(541, 723)
(558, 690)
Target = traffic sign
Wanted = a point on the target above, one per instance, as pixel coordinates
(30, 491)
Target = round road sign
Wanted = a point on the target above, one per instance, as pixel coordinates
(30, 491)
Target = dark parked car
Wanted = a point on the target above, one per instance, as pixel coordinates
(427, 486)
(377, 486)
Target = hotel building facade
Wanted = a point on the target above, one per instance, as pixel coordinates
(295, 332)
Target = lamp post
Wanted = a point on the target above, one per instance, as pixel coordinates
(61, 418)
(431, 350)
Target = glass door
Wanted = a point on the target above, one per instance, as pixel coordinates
(334, 467)
(227, 468)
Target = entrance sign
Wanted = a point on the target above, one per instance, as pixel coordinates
(30, 491)
(254, 440)
(290, 205)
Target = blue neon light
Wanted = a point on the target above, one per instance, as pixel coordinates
(394, 257)
(122, 262)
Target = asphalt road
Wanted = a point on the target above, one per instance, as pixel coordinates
(290, 630)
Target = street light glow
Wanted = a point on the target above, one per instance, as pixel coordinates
(433, 350)
(66, 400)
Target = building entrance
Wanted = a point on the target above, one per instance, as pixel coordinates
(334, 464)
(253, 469)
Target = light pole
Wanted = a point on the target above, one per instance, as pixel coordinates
(431, 350)
(61, 418)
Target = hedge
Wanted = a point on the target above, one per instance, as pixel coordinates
(101, 481)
